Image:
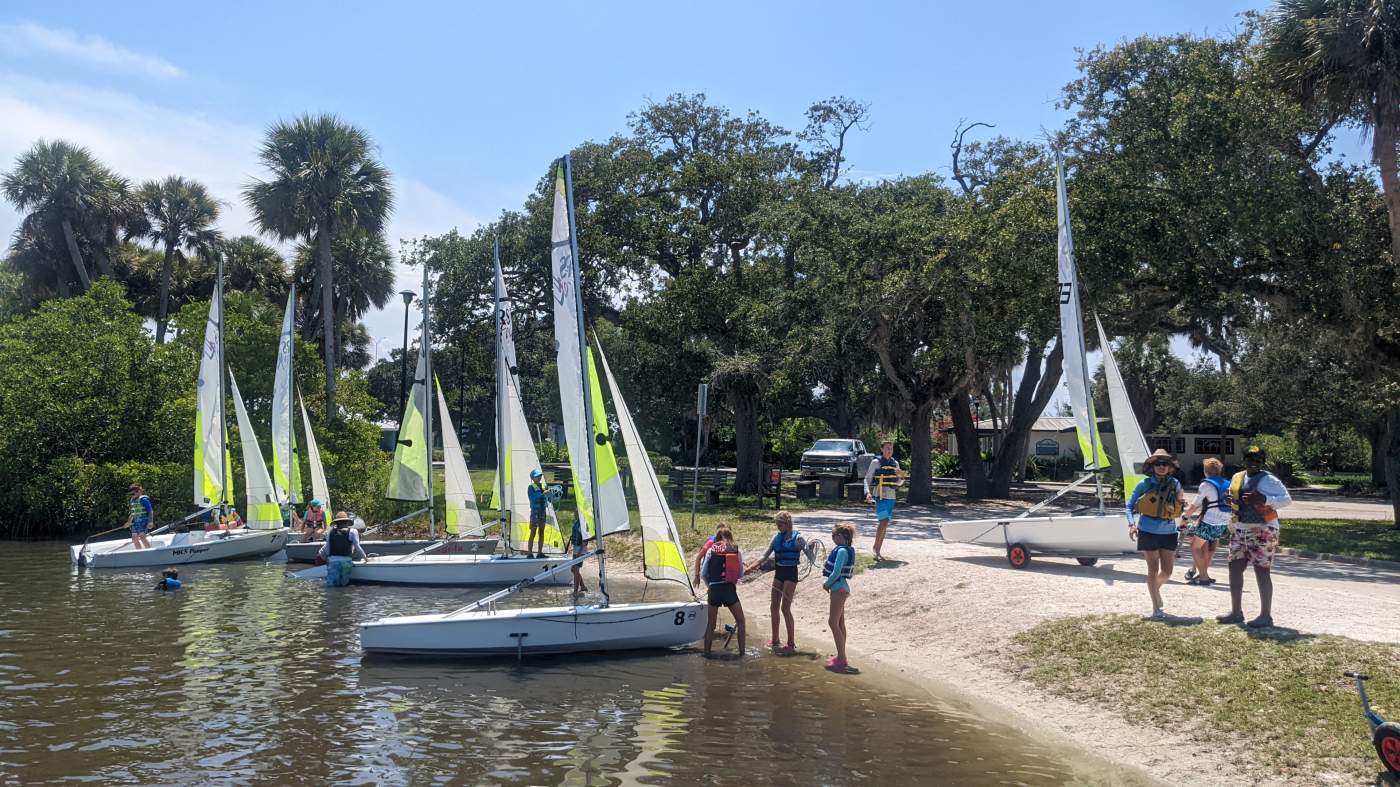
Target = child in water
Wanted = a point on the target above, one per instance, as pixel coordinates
(170, 580)
(720, 565)
(840, 565)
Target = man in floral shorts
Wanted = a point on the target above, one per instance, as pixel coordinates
(1255, 496)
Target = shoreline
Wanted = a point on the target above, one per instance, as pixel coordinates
(937, 620)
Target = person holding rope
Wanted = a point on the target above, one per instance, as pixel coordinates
(884, 474)
(139, 516)
(539, 511)
(786, 551)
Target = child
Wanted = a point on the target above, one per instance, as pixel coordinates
(840, 565)
(539, 505)
(721, 565)
(170, 580)
(786, 550)
(580, 549)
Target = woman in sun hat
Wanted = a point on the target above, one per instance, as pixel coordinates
(1153, 509)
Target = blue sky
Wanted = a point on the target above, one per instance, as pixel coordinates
(468, 102)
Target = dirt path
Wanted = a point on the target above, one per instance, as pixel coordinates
(943, 615)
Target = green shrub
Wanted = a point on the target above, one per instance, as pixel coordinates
(1282, 455)
(661, 463)
(946, 465)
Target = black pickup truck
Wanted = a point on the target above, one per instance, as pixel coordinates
(836, 456)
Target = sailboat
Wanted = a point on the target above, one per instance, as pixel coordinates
(1089, 537)
(482, 628)
(213, 486)
(461, 560)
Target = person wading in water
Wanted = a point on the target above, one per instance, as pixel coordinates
(1255, 496)
(883, 475)
(341, 548)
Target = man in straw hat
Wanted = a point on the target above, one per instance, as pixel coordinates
(1153, 509)
(341, 547)
(1255, 497)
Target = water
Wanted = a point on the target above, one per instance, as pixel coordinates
(248, 677)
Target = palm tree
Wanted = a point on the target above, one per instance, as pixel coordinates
(253, 266)
(325, 181)
(364, 280)
(66, 190)
(179, 214)
(1342, 58)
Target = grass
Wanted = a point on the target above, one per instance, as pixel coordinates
(1355, 537)
(1279, 698)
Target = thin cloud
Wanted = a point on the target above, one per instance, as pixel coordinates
(31, 38)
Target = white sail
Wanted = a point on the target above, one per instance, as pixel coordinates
(211, 463)
(1072, 333)
(662, 556)
(286, 471)
(612, 508)
(408, 477)
(462, 516)
(1127, 433)
(263, 511)
(319, 489)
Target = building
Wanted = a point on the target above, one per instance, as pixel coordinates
(1054, 437)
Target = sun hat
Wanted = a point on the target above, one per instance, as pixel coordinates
(1158, 456)
(341, 516)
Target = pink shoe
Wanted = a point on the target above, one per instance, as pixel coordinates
(773, 643)
(789, 648)
(837, 665)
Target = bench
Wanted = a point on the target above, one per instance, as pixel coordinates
(712, 481)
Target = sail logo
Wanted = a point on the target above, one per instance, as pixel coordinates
(564, 279)
(503, 327)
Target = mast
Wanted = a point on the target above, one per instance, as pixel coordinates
(587, 382)
(1079, 317)
(291, 422)
(428, 409)
(501, 392)
(223, 392)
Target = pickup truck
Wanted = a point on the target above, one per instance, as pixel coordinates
(836, 456)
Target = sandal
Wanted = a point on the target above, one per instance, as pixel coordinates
(1190, 574)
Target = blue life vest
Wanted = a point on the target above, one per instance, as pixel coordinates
(1222, 494)
(140, 515)
(785, 551)
(168, 583)
(848, 570)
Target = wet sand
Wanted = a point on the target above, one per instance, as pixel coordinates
(939, 618)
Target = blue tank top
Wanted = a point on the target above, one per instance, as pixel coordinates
(785, 551)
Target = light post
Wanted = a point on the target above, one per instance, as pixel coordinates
(403, 360)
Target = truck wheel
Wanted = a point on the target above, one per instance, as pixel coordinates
(1018, 556)
(1387, 740)
(1087, 561)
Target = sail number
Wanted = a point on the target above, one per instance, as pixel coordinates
(680, 617)
(1066, 291)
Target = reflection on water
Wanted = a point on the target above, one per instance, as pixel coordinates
(245, 676)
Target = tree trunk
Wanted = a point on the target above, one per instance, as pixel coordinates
(323, 259)
(163, 314)
(72, 240)
(104, 263)
(1384, 138)
(1392, 462)
(920, 454)
(969, 446)
(1034, 392)
(1376, 437)
(748, 443)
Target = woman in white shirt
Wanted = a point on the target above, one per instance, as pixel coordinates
(1213, 501)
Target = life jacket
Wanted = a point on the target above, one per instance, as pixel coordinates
(1246, 514)
(1162, 503)
(139, 516)
(886, 471)
(722, 564)
(168, 583)
(340, 544)
(785, 551)
(848, 570)
(1222, 495)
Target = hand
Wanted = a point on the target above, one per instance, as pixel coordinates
(869, 499)
(1254, 498)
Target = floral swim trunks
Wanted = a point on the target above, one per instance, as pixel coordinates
(1257, 546)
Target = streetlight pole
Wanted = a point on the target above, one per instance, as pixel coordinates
(403, 359)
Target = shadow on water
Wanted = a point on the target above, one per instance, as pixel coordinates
(246, 676)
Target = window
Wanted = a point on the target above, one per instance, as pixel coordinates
(1208, 446)
(860, 447)
(1164, 443)
(1180, 445)
(1229, 446)
(1047, 447)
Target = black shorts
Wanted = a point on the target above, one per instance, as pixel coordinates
(536, 520)
(1150, 541)
(785, 574)
(724, 595)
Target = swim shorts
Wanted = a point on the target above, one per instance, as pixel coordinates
(1148, 542)
(884, 508)
(1257, 546)
(785, 574)
(723, 594)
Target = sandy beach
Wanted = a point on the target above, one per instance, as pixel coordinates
(942, 616)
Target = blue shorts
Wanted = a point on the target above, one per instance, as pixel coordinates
(140, 528)
(884, 508)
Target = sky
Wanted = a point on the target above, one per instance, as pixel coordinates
(469, 102)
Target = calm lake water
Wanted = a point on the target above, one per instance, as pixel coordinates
(247, 677)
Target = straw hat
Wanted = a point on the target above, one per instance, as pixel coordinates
(342, 516)
(1157, 456)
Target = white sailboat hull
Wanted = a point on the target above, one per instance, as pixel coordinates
(447, 570)
(171, 549)
(305, 552)
(542, 630)
(1073, 536)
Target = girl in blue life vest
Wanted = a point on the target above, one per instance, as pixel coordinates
(786, 550)
(1213, 504)
(169, 580)
(721, 565)
(840, 565)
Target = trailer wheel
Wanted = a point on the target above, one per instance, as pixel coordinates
(1387, 740)
(1018, 555)
(1087, 561)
